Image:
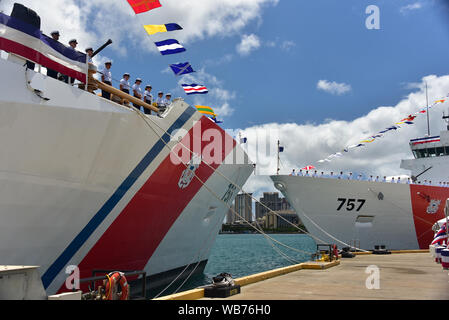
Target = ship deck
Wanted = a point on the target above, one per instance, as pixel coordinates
(405, 276)
(402, 276)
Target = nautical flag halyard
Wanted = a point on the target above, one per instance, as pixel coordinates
(170, 46)
(194, 89)
(141, 6)
(182, 68)
(155, 28)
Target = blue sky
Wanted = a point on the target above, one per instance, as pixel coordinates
(326, 40)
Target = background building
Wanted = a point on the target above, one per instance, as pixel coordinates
(272, 201)
(274, 221)
(243, 205)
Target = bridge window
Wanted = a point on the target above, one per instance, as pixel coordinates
(440, 151)
(446, 151)
(431, 152)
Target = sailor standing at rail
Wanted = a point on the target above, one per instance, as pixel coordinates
(168, 101)
(350, 176)
(72, 43)
(124, 83)
(106, 77)
(148, 98)
(52, 73)
(315, 174)
(160, 101)
(137, 91)
(89, 53)
(293, 173)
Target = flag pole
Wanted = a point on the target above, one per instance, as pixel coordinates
(428, 121)
(279, 157)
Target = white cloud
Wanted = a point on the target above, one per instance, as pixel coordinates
(287, 45)
(92, 22)
(248, 44)
(305, 144)
(410, 7)
(333, 87)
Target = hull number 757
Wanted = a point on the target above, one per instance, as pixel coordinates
(351, 204)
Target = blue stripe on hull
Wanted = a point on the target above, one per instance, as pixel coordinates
(99, 217)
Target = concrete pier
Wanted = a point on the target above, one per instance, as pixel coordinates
(405, 276)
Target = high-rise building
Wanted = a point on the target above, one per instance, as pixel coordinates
(243, 205)
(273, 202)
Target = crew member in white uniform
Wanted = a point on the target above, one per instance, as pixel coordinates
(124, 83)
(293, 173)
(106, 77)
(137, 91)
(89, 52)
(148, 98)
(168, 101)
(315, 174)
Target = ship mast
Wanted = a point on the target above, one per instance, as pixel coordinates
(279, 157)
(428, 120)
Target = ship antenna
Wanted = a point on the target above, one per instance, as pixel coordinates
(428, 120)
(279, 157)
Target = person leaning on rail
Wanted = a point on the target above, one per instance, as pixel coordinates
(106, 77)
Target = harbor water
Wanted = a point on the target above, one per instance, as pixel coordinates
(247, 254)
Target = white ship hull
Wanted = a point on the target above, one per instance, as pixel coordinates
(365, 214)
(87, 182)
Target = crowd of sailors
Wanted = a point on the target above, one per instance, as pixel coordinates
(360, 177)
(161, 102)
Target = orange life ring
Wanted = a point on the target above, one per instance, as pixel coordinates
(114, 280)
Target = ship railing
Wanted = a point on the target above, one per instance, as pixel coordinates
(124, 98)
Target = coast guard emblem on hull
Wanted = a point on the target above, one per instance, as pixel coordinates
(189, 173)
(433, 206)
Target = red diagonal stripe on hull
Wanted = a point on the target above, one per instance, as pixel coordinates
(421, 195)
(132, 238)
